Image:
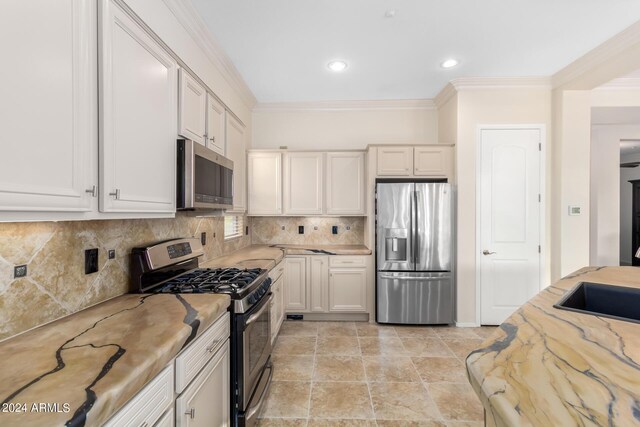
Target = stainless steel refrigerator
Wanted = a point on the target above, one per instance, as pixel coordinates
(414, 247)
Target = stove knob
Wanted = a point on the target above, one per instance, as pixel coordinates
(252, 299)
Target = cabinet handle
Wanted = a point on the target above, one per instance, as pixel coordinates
(212, 346)
(191, 412)
(212, 139)
(116, 194)
(93, 191)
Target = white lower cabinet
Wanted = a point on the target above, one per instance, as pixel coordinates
(149, 405)
(167, 420)
(295, 284)
(201, 374)
(326, 284)
(318, 283)
(277, 275)
(347, 290)
(206, 402)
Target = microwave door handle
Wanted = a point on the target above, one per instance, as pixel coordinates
(255, 316)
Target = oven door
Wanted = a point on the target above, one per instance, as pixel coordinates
(256, 345)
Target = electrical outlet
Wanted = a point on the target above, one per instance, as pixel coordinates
(246, 230)
(283, 228)
(19, 271)
(301, 229)
(334, 229)
(90, 261)
(112, 253)
(203, 238)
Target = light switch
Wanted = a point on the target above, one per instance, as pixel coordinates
(574, 210)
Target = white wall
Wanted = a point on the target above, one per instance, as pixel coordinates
(487, 107)
(338, 128)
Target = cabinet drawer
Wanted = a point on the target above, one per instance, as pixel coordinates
(148, 406)
(191, 361)
(276, 272)
(347, 261)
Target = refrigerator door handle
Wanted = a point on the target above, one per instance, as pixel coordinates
(413, 278)
(414, 230)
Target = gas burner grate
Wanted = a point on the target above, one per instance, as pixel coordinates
(228, 280)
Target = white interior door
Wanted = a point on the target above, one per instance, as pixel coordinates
(510, 220)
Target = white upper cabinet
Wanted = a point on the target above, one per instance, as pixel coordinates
(303, 183)
(192, 109)
(236, 151)
(216, 122)
(265, 183)
(48, 106)
(345, 183)
(395, 161)
(138, 88)
(432, 161)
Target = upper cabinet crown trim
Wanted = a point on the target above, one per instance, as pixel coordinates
(190, 19)
(408, 104)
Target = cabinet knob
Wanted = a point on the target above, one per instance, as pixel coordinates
(191, 412)
(93, 191)
(212, 139)
(116, 194)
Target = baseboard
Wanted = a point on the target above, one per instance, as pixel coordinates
(466, 325)
(625, 263)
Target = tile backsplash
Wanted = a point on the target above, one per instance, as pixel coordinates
(317, 230)
(55, 284)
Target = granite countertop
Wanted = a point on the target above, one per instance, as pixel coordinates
(99, 358)
(268, 256)
(551, 367)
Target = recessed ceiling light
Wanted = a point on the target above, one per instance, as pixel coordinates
(449, 63)
(337, 66)
(391, 13)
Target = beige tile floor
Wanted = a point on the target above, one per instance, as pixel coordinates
(362, 374)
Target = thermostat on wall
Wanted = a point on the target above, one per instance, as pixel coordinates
(574, 210)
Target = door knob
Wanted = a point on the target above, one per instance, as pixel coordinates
(486, 252)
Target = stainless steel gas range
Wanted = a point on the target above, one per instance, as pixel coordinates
(172, 267)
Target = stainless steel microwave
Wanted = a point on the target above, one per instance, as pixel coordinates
(205, 178)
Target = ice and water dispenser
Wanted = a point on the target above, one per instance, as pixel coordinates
(396, 244)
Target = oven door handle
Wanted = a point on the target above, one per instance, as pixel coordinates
(255, 316)
(255, 408)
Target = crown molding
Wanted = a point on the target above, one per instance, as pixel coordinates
(470, 83)
(447, 92)
(401, 104)
(621, 83)
(190, 19)
(598, 56)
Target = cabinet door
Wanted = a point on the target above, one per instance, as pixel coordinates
(395, 161)
(303, 183)
(192, 109)
(319, 283)
(48, 105)
(216, 122)
(345, 183)
(348, 290)
(206, 402)
(432, 161)
(276, 308)
(265, 183)
(295, 284)
(236, 151)
(138, 118)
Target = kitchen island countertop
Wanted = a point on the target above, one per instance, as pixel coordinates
(550, 367)
(97, 359)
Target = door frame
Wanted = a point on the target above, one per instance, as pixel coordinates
(542, 205)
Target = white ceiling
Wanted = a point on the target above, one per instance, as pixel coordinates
(282, 47)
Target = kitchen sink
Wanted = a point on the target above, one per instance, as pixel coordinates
(616, 302)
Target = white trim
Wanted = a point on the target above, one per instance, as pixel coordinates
(400, 104)
(470, 83)
(543, 200)
(445, 94)
(467, 325)
(621, 83)
(598, 56)
(190, 19)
